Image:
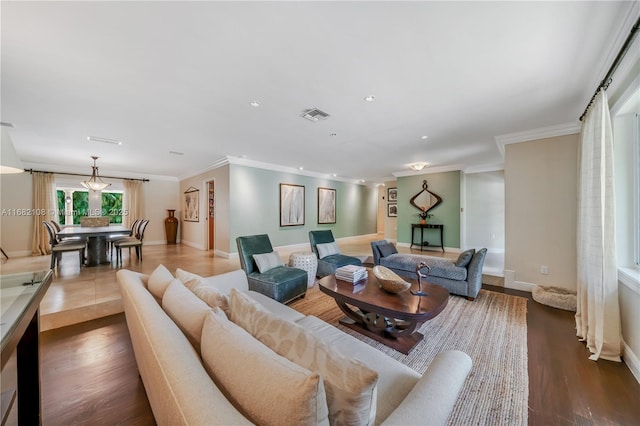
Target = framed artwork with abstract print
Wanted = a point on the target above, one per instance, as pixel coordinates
(326, 205)
(291, 205)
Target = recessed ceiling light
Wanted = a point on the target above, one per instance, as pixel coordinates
(334, 175)
(333, 134)
(255, 104)
(369, 98)
(103, 140)
(362, 180)
(300, 168)
(424, 137)
(7, 125)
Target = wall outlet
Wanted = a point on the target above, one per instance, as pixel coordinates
(544, 270)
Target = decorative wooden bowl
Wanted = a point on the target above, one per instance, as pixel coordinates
(389, 280)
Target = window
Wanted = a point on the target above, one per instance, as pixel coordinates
(74, 204)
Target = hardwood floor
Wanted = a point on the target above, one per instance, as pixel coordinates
(89, 374)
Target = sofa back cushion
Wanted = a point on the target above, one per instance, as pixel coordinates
(268, 388)
(350, 386)
(186, 310)
(223, 282)
(159, 281)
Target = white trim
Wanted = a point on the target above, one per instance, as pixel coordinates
(429, 170)
(22, 253)
(483, 168)
(537, 134)
(632, 361)
(198, 246)
(520, 285)
(630, 278)
(434, 248)
(225, 255)
(227, 160)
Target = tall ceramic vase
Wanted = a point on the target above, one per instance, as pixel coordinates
(171, 227)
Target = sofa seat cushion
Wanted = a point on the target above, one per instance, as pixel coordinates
(395, 380)
(350, 386)
(440, 267)
(279, 275)
(339, 260)
(267, 387)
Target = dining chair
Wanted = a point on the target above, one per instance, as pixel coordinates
(129, 242)
(57, 248)
(61, 238)
(115, 237)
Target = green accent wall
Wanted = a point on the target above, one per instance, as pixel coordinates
(447, 186)
(254, 201)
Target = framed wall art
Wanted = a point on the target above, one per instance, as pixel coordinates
(192, 205)
(291, 205)
(392, 210)
(326, 205)
(392, 194)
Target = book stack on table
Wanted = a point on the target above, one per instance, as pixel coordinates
(351, 273)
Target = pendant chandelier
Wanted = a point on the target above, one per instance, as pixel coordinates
(95, 183)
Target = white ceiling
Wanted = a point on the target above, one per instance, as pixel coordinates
(176, 76)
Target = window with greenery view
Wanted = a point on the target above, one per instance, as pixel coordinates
(111, 206)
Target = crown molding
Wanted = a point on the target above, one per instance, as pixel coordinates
(537, 134)
(239, 161)
(483, 168)
(429, 170)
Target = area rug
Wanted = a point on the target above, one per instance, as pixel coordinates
(492, 330)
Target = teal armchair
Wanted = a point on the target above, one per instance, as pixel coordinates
(329, 259)
(278, 282)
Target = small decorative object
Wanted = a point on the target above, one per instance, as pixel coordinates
(389, 280)
(171, 227)
(392, 210)
(419, 268)
(424, 215)
(191, 205)
(291, 204)
(392, 194)
(326, 205)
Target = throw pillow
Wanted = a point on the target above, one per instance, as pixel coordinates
(387, 249)
(267, 261)
(267, 388)
(465, 258)
(159, 281)
(209, 294)
(327, 249)
(186, 310)
(350, 386)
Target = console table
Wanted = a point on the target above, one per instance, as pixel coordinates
(422, 227)
(20, 300)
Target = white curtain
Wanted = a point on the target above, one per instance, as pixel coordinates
(132, 201)
(598, 315)
(45, 204)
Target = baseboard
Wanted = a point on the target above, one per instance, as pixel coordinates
(520, 285)
(632, 361)
(192, 244)
(22, 253)
(433, 248)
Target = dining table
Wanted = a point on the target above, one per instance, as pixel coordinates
(97, 248)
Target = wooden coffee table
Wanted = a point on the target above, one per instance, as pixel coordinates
(391, 319)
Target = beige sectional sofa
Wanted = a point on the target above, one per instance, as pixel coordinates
(211, 352)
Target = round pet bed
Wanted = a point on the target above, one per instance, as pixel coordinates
(556, 297)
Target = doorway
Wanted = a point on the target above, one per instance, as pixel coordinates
(211, 214)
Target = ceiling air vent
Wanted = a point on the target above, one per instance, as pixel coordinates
(315, 114)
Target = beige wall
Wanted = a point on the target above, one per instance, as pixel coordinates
(195, 234)
(16, 231)
(541, 211)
